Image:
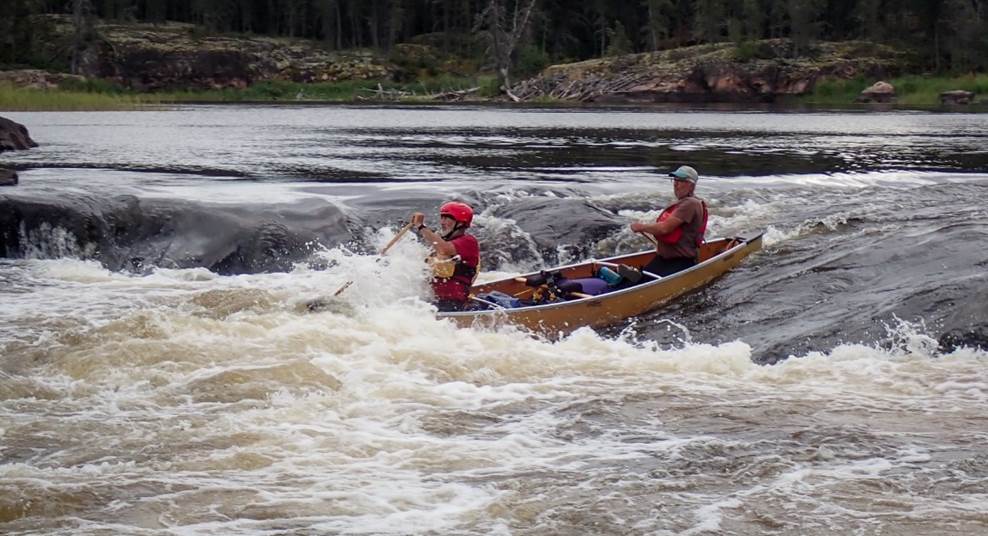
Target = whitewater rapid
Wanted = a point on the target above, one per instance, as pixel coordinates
(807, 392)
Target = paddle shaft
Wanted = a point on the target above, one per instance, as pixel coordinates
(397, 237)
(649, 237)
(393, 241)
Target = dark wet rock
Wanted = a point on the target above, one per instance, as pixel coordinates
(391, 208)
(720, 72)
(555, 221)
(795, 299)
(967, 323)
(880, 92)
(14, 136)
(537, 227)
(957, 96)
(125, 232)
(551, 222)
(970, 337)
(8, 177)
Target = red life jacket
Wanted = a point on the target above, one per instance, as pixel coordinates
(457, 288)
(672, 237)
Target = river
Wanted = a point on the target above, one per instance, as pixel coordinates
(160, 373)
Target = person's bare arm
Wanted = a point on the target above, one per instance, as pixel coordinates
(442, 247)
(658, 229)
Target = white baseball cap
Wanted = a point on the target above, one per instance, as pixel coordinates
(685, 173)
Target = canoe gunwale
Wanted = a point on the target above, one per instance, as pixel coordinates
(749, 241)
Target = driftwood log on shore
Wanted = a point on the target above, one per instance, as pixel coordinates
(381, 94)
(384, 94)
(583, 90)
(453, 96)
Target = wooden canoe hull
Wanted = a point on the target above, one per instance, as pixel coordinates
(717, 258)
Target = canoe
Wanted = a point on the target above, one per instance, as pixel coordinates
(716, 257)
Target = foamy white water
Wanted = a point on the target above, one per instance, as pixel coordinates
(178, 401)
(187, 403)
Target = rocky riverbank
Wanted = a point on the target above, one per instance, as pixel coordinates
(722, 72)
(176, 56)
(180, 57)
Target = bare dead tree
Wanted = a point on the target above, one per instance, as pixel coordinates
(507, 33)
(77, 8)
(83, 26)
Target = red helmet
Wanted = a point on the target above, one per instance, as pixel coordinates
(461, 212)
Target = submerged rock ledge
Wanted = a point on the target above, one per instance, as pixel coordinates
(128, 233)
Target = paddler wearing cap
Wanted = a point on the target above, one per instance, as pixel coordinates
(679, 229)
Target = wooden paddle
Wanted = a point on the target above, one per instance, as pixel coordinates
(393, 241)
(649, 237)
(397, 237)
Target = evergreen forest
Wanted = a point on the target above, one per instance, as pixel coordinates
(945, 35)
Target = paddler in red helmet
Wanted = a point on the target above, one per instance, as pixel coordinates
(456, 254)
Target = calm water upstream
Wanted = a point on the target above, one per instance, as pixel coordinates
(159, 373)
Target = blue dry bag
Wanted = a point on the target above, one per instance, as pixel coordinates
(504, 300)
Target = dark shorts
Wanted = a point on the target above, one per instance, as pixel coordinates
(446, 306)
(663, 267)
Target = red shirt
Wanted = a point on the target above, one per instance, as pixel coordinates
(457, 288)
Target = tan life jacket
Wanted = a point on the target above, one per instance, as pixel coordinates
(449, 267)
(442, 267)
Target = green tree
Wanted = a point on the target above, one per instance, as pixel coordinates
(867, 21)
(620, 43)
(804, 24)
(949, 34)
(331, 23)
(153, 10)
(776, 18)
(14, 34)
(754, 19)
(709, 21)
(597, 15)
(966, 31)
(658, 22)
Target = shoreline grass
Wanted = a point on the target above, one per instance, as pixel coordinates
(337, 92)
(96, 95)
(103, 96)
(912, 90)
(24, 99)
